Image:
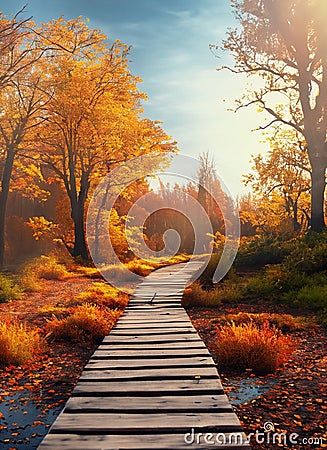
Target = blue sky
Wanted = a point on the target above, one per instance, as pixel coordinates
(170, 52)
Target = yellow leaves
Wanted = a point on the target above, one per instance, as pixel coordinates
(41, 226)
(33, 171)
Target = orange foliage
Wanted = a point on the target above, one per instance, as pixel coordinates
(262, 349)
(18, 344)
(88, 323)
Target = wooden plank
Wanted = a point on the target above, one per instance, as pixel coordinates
(155, 300)
(153, 320)
(149, 346)
(157, 373)
(146, 304)
(136, 339)
(128, 319)
(143, 331)
(154, 325)
(135, 316)
(157, 297)
(167, 441)
(149, 363)
(127, 388)
(167, 313)
(156, 320)
(217, 403)
(130, 423)
(153, 308)
(153, 353)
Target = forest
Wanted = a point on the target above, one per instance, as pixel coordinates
(71, 113)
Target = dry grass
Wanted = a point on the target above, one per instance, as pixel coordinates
(87, 323)
(103, 294)
(18, 344)
(46, 267)
(196, 296)
(284, 322)
(141, 268)
(248, 346)
(87, 271)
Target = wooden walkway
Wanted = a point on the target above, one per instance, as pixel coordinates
(150, 382)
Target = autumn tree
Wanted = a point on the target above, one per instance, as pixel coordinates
(210, 193)
(262, 215)
(92, 122)
(284, 171)
(14, 58)
(20, 104)
(25, 90)
(284, 42)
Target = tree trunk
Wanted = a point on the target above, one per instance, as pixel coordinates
(296, 224)
(7, 171)
(317, 194)
(99, 216)
(80, 247)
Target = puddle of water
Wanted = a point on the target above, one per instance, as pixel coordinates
(246, 389)
(26, 420)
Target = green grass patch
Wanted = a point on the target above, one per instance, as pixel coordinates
(195, 295)
(9, 290)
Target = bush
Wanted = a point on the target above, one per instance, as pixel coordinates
(294, 271)
(18, 344)
(263, 285)
(278, 279)
(261, 250)
(308, 253)
(196, 296)
(140, 267)
(45, 267)
(29, 281)
(117, 273)
(87, 324)
(9, 290)
(322, 318)
(87, 271)
(103, 294)
(312, 297)
(283, 322)
(262, 349)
